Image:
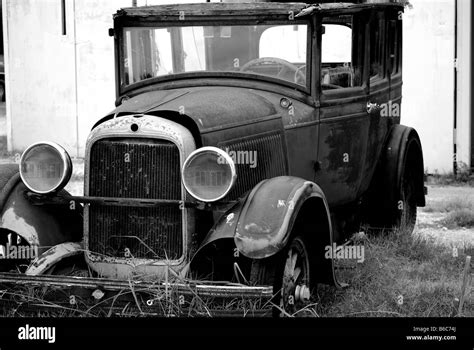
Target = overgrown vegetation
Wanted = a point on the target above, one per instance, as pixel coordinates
(460, 218)
(463, 176)
(5, 155)
(3, 147)
(401, 276)
(459, 212)
(172, 297)
(449, 205)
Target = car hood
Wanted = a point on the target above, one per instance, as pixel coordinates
(209, 107)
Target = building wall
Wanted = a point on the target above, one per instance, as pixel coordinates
(428, 79)
(95, 60)
(95, 63)
(463, 90)
(38, 64)
(59, 85)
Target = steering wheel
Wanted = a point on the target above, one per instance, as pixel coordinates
(299, 74)
(285, 66)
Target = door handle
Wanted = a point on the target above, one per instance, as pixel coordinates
(372, 107)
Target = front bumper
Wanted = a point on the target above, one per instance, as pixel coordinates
(142, 297)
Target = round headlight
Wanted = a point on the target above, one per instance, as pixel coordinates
(45, 167)
(209, 174)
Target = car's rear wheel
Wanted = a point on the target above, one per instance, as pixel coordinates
(405, 219)
(2, 92)
(289, 272)
(399, 213)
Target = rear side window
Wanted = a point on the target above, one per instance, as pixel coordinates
(341, 53)
(395, 45)
(385, 45)
(377, 47)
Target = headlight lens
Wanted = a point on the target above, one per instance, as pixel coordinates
(45, 167)
(209, 174)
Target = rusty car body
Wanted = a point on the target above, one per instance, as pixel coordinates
(247, 138)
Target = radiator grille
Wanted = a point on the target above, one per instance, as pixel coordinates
(270, 161)
(135, 168)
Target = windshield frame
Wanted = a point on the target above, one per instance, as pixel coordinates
(123, 89)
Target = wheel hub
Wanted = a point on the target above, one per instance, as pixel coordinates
(302, 293)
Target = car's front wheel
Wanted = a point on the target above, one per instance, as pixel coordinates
(289, 272)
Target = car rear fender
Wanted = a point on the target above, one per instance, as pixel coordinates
(403, 148)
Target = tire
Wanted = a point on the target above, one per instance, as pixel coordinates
(290, 272)
(398, 214)
(2, 92)
(8, 237)
(69, 267)
(405, 219)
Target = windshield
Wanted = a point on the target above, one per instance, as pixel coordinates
(277, 51)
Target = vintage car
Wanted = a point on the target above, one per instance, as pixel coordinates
(247, 138)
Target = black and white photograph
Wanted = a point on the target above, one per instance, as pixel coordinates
(196, 160)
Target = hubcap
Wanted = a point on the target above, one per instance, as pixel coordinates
(302, 293)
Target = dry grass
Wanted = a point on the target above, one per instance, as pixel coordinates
(402, 276)
(460, 218)
(463, 177)
(459, 212)
(449, 205)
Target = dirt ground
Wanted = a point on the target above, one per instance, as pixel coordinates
(430, 219)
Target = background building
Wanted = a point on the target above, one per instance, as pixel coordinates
(59, 63)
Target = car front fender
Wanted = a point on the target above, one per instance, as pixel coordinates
(43, 226)
(268, 215)
(53, 256)
(261, 224)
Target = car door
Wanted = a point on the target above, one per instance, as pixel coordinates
(344, 121)
(379, 104)
(385, 84)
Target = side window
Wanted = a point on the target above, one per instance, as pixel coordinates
(394, 47)
(341, 53)
(377, 45)
(285, 42)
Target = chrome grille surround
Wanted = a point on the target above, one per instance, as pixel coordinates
(149, 127)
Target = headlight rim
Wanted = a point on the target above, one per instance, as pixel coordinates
(65, 158)
(221, 153)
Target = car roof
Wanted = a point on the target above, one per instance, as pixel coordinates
(215, 11)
